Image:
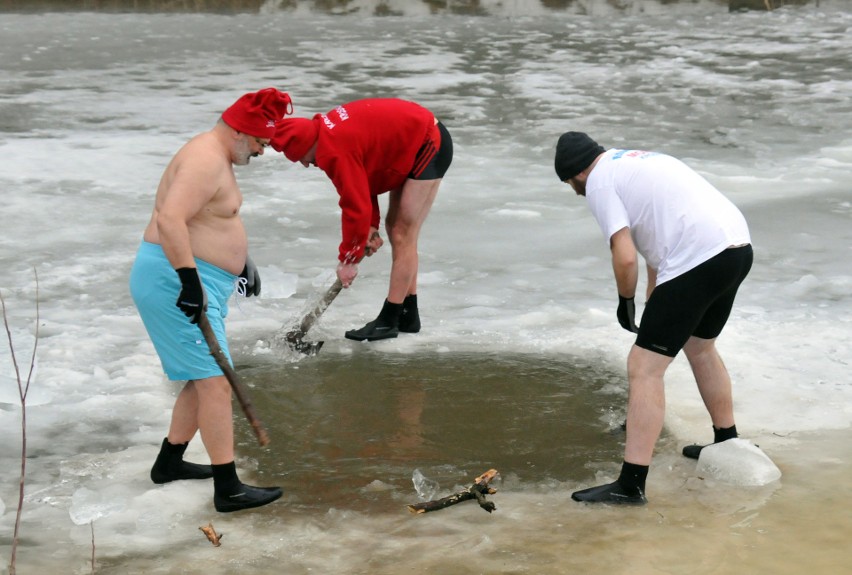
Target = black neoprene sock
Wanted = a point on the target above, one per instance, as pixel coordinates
(174, 449)
(410, 302)
(389, 316)
(632, 477)
(170, 465)
(225, 480)
(724, 434)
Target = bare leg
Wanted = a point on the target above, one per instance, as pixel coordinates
(714, 383)
(170, 465)
(184, 423)
(646, 403)
(407, 210)
(205, 404)
(214, 418)
(646, 406)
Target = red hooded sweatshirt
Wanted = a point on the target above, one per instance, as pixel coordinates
(367, 148)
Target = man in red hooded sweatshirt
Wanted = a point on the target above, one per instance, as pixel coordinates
(369, 147)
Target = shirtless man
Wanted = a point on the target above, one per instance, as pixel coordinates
(369, 147)
(194, 252)
(697, 250)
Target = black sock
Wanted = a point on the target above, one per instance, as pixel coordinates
(724, 434)
(632, 477)
(175, 450)
(410, 302)
(389, 316)
(225, 480)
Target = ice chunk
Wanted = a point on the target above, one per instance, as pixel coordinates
(737, 461)
(88, 505)
(426, 488)
(376, 486)
(278, 284)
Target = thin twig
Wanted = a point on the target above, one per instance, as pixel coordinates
(92, 526)
(23, 389)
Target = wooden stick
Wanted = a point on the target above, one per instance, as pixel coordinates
(225, 366)
(295, 337)
(477, 491)
(310, 319)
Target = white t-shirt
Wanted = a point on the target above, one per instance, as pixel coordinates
(677, 219)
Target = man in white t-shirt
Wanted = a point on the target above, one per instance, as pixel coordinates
(697, 250)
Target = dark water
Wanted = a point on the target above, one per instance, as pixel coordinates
(338, 423)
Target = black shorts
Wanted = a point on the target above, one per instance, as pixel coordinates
(432, 163)
(697, 303)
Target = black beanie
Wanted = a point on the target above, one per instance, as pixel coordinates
(575, 151)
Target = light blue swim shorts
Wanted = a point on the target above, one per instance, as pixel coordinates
(181, 346)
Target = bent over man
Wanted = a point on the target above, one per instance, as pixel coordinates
(194, 251)
(697, 249)
(369, 147)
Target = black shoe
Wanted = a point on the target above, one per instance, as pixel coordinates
(175, 471)
(693, 451)
(409, 321)
(610, 493)
(372, 332)
(246, 497)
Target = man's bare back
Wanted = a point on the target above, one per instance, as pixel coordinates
(196, 212)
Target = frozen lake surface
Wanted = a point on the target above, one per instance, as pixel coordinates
(520, 365)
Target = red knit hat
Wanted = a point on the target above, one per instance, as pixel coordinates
(255, 113)
(294, 137)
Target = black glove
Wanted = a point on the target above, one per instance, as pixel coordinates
(626, 314)
(191, 300)
(252, 278)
